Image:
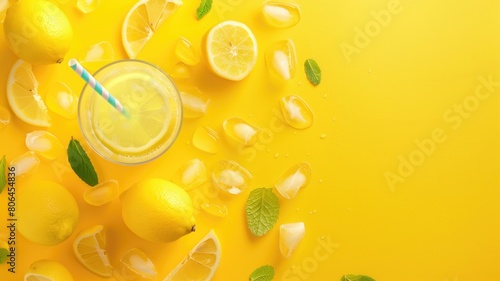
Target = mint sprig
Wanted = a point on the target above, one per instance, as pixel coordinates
(351, 277)
(263, 273)
(204, 8)
(262, 209)
(3, 255)
(3, 180)
(80, 163)
(313, 72)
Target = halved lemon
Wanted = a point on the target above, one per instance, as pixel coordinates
(90, 249)
(201, 263)
(143, 20)
(23, 97)
(231, 50)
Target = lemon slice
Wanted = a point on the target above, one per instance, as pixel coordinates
(89, 247)
(231, 50)
(201, 263)
(23, 97)
(150, 114)
(143, 20)
(47, 270)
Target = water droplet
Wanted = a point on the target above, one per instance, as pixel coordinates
(139, 263)
(215, 209)
(61, 100)
(186, 52)
(322, 136)
(320, 181)
(296, 112)
(281, 59)
(231, 176)
(102, 193)
(45, 144)
(295, 178)
(240, 131)
(87, 6)
(180, 70)
(280, 14)
(25, 164)
(97, 55)
(191, 175)
(325, 96)
(194, 102)
(276, 155)
(206, 139)
(4, 117)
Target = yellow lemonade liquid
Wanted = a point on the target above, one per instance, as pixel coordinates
(154, 113)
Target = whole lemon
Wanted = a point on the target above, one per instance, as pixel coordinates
(47, 213)
(37, 31)
(158, 210)
(48, 270)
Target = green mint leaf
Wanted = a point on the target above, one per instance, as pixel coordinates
(3, 180)
(351, 277)
(262, 210)
(313, 72)
(263, 273)
(3, 255)
(80, 163)
(204, 8)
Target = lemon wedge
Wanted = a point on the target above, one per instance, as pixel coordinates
(47, 270)
(231, 50)
(143, 20)
(201, 263)
(89, 247)
(23, 97)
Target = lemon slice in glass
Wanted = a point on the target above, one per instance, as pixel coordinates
(231, 50)
(23, 97)
(143, 20)
(201, 263)
(89, 247)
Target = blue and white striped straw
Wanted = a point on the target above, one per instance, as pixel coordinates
(94, 84)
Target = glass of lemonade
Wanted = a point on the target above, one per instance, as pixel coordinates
(154, 113)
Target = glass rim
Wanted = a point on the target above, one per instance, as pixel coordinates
(97, 150)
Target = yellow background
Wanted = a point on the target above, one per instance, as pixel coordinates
(439, 221)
